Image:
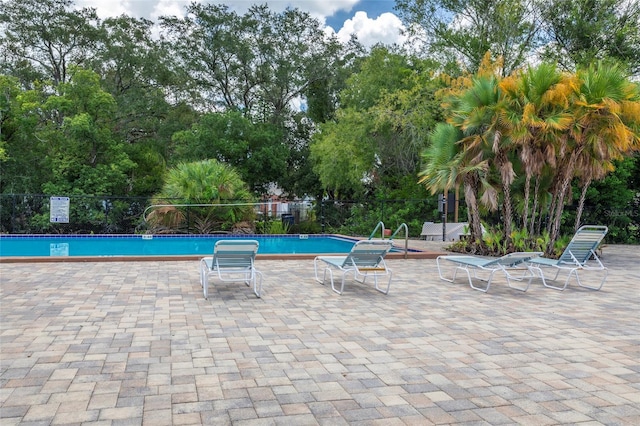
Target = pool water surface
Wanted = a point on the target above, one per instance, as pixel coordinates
(163, 245)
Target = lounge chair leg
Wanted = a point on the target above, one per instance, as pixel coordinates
(442, 277)
(485, 289)
(257, 283)
(388, 284)
(606, 273)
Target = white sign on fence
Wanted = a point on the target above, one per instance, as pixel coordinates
(59, 209)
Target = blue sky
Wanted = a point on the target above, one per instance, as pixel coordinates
(374, 9)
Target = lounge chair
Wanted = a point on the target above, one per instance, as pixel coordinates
(366, 259)
(232, 261)
(576, 257)
(509, 263)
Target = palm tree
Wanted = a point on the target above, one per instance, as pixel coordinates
(445, 168)
(606, 120)
(481, 115)
(195, 189)
(537, 100)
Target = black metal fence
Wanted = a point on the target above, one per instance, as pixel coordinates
(32, 214)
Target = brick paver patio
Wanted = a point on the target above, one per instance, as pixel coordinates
(117, 343)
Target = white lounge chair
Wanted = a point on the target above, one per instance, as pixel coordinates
(232, 261)
(508, 264)
(579, 255)
(366, 259)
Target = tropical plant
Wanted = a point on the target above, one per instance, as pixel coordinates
(537, 99)
(208, 192)
(605, 126)
(479, 113)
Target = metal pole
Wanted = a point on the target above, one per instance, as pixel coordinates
(444, 216)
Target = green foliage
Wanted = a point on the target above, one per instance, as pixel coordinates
(306, 227)
(42, 38)
(613, 201)
(341, 155)
(388, 107)
(586, 31)
(464, 31)
(278, 227)
(204, 182)
(494, 243)
(256, 151)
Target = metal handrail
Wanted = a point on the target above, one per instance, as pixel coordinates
(406, 237)
(381, 226)
(402, 226)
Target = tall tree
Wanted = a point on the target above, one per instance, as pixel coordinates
(481, 115)
(43, 38)
(537, 98)
(464, 30)
(579, 32)
(605, 125)
(265, 65)
(134, 69)
(387, 109)
(85, 157)
(258, 63)
(256, 151)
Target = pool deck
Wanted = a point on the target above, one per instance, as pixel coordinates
(135, 343)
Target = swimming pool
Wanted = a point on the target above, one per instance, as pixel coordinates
(162, 245)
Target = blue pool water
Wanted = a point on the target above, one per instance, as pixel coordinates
(162, 245)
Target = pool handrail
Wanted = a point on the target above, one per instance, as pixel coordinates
(406, 237)
(404, 226)
(380, 226)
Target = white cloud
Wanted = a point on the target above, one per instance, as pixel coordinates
(319, 9)
(153, 8)
(384, 29)
(106, 9)
(167, 8)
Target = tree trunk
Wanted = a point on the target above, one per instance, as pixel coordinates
(562, 192)
(506, 176)
(583, 196)
(525, 208)
(471, 199)
(554, 204)
(534, 210)
(508, 214)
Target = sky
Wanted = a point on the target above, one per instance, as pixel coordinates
(372, 21)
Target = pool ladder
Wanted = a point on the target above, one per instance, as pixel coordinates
(404, 226)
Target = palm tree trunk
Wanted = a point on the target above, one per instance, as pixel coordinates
(534, 210)
(508, 214)
(471, 199)
(554, 203)
(525, 208)
(567, 174)
(583, 196)
(507, 176)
